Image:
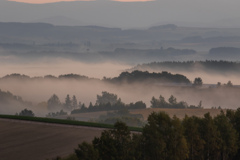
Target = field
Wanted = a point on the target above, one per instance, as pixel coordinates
(21, 140)
(26, 140)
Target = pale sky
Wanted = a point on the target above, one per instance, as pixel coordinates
(194, 13)
(52, 1)
(41, 1)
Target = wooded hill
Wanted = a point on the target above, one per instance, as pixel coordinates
(209, 66)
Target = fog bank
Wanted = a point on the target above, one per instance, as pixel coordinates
(58, 66)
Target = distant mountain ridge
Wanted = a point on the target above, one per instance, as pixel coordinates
(49, 30)
(120, 14)
(98, 43)
(59, 21)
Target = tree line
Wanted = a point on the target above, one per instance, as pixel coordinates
(105, 102)
(208, 66)
(71, 76)
(110, 102)
(135, 76)
(169, 138)
(172, 103)
(129, 77)
(140, 76)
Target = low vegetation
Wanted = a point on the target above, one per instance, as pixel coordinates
(123, 115)
(55, 114)
(26, 112)
(63, 121)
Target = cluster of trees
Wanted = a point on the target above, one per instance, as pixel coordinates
(105, 102)
(198, 82)
(229, 84)
(140, 76)
(26, 112)
(166, 138)
(71, 76)
(172, 103)
(207, 66)
(108, 101)
(54, 103)
(55, 114)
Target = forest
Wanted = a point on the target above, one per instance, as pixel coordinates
(208, 66)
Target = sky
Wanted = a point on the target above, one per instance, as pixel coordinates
(52, 1)
(193, 13)
(41, 1)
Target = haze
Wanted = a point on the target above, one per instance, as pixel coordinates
(38, 91)
(103, 38)
(60, 66)
(214, 13)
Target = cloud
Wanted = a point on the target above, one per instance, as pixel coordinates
(58, 66)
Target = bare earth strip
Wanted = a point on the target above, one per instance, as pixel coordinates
(23, 140)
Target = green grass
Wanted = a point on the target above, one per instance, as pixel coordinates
(66, 122)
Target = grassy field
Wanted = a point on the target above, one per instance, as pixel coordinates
(65, 122)
(180, 113)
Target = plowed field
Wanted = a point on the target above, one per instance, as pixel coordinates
(21, 140)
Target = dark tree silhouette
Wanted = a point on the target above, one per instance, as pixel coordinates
(197, 82)
(68, 103)
(26, 112)
(74, 102)
(107, 97)
(54, 103)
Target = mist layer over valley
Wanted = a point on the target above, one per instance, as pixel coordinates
(129, 86)
(95, 59)
(57, 66)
